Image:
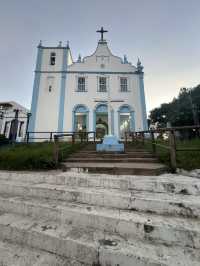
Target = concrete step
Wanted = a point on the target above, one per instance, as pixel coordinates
(17, 255)
(90, 247)
(109, 156)
(129, 225)
(117, 168)
(159, 203)
(133, 152)
(114, 155)
(169, 183)
(85, 150)
(111, 160)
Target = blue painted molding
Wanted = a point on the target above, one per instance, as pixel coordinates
(54, 47)
(112, 122)
(94, 120)
(125, 108)
(80, 108)
(91, 72)
(62, 92)
(119, 136)
(87, 121)
(101, 108)
(143, 103)
(73, 121)
(132, 122)
(35, 94)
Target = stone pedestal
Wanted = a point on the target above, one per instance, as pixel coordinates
(110, 144)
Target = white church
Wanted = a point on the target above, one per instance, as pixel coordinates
(100, 92)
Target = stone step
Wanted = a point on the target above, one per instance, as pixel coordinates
(90, 247)
(85, 150)
(128, 224)
(115, 155)
(111, 160)
(165, 183)
(133, 153)
(159, 203)
(117, 168)
(17, 255)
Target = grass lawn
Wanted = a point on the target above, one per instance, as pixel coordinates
(33, 156)
(187, 160)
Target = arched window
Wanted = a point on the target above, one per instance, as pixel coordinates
(80, 116)
(53, 59)
(102, 108)
(126, 120)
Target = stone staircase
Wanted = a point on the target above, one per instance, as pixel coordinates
(132, 161)
(79, 219)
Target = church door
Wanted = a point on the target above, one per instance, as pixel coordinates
(101, 126)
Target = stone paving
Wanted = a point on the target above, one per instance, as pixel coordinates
(77, 219)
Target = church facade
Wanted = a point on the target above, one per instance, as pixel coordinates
(81, 96)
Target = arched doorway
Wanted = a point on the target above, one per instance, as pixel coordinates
(80, 118)
(101, 121)
(126, 120)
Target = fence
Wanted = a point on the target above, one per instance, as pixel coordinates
(50, 135)
(149, 135)
(83, 137)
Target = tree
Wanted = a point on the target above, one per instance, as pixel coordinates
(181, 111)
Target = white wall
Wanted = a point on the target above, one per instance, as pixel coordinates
(102, 62)
(88, 98)
(48, 101)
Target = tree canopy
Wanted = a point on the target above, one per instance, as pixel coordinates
(181, 111)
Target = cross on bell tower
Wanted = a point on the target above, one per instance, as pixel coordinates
(102, 31)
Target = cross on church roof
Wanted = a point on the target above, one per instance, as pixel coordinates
(102, 31)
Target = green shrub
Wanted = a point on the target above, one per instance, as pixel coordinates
(35, 156)
(187, 160)
(3, 140)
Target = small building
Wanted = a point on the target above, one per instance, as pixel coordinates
(13, 120)
(73, 95)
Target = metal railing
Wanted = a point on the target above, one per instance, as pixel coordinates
(149, 135)
(49, 135)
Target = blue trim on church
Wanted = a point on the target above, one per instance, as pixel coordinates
(94, 120)
(132, 122)
(80, 108)
(35, 94)
(62, 92)
(91, 72)
(143, 103)
(112, 122)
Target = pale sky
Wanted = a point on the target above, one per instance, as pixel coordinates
(164, 34)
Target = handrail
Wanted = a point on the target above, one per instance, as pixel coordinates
(158, 130)
(51, 134)
(84, 137)
(172, 147)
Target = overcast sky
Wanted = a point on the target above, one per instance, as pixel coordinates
(165, 34)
